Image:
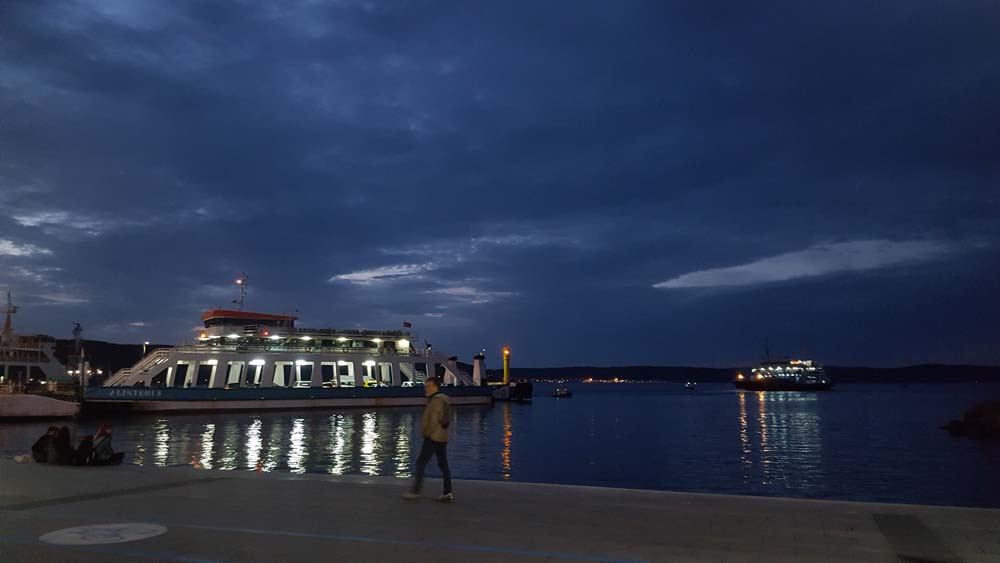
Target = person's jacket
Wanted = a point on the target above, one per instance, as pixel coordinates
(44, 448)
(437, 417)
(102, 449)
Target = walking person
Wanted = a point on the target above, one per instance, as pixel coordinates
(434, 428)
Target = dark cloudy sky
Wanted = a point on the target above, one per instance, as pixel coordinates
(589, 182)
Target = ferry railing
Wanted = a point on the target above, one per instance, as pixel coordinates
(244, 348)
(350, 332)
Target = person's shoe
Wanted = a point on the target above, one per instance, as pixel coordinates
(446, 498)
(410, 495)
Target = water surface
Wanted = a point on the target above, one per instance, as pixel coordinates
(858, 442)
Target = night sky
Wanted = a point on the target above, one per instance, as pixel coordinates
(597, 183)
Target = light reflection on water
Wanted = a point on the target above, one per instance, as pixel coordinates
(785, 436)
(162, 452)
(296, 449)
(207, 446)
(369, 458)
(508, 435)
(862, 442)
(343, 426)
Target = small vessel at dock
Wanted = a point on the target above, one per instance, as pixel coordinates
(31, 376)
(690, 386)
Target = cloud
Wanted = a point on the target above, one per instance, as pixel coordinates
(382, 273)
(11, 248)
(139, 324)
(505, 235)
(471, 295)
(63, 298)
(60, 220)
(818, 260)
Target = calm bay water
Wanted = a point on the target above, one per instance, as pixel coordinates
(858, 442)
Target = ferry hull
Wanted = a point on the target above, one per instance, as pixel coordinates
(782, 386)
(124, 400)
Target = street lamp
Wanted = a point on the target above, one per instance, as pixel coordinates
(144, 344)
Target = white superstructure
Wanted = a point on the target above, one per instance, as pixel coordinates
(27, 359)
(245, 349)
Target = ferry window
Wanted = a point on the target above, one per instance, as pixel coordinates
(326, 371)
(283, 374)
(182, 374)
(204, 375)
(305, 372)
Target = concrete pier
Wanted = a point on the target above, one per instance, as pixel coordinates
(243, 516)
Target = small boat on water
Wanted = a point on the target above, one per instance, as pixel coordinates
(562, 393)
(690, 386)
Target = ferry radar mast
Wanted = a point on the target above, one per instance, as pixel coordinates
(242, 282)
(8, 325)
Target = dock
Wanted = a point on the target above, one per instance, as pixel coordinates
(202, 515)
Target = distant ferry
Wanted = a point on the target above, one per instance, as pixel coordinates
(785, 375)
(246, 361)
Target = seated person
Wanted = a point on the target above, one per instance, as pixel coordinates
(63, 448)
(45, 447)
(85, 451)
(103, 452)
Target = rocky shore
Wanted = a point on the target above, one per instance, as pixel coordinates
(980, 421)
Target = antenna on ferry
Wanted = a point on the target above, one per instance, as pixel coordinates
(242, 282)
(8, 326)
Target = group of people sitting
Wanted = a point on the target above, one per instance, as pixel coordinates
(54, 447)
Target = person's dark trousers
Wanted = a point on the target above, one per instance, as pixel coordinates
(429, 448)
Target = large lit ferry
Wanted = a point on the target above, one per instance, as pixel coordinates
(257, 361)
(785, 375)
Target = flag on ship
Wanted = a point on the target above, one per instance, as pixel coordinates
(407, 324)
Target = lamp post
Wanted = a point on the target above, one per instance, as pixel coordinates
(506, 365)
(144, 344)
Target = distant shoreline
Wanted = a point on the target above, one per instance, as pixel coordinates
(922, 373)
(111, 357)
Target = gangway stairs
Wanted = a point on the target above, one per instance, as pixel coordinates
(153, 359)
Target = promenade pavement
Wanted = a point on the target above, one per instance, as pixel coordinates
(207, 516)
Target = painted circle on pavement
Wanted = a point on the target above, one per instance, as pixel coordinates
(103, 533)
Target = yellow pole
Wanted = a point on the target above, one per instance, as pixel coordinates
(506, 366)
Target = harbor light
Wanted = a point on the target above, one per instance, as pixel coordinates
(341, 339)
(739, 376)
(760, 376)
(377, 340)
(506, 365)
(275, 337)
(307, 338)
